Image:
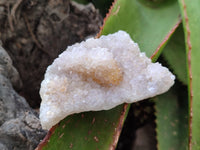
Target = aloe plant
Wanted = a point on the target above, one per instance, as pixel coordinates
(156, 26)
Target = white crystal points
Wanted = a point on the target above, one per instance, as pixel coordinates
(99, 74)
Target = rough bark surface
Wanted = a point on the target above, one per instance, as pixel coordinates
(20, 127)
(35, 32)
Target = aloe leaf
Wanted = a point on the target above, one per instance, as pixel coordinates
(191, 23)
(175, 54)
(87, 130)
(148, 27)
(172, 120)
(148, 24)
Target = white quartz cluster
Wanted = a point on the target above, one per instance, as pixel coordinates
(99, 74)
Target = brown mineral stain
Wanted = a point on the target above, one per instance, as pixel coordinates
(93, 120)
(107, 73)
(71, 145)
(96, 139)
(63, 126)
(61, 136)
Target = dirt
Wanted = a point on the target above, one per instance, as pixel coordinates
(35, 32)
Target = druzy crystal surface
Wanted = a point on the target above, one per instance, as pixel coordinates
(99, 74)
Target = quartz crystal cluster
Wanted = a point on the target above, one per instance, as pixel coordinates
(99, 74)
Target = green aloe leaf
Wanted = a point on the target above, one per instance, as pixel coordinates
(89, 130)
(172, 120)
(191, 23)
(175, 54)
(147, 26)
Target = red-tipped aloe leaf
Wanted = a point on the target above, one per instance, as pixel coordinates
(174, 53)
(90, 130)
(149, 24)
(191, 23)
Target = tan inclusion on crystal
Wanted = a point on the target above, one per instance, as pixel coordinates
(102, 74)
